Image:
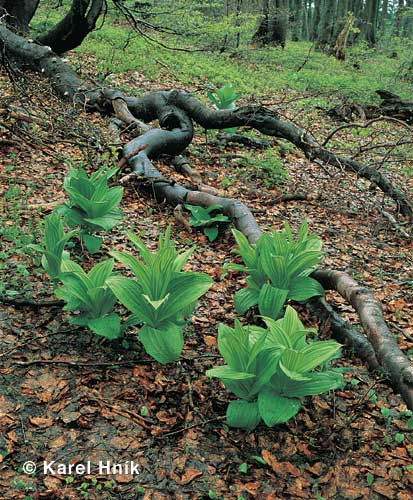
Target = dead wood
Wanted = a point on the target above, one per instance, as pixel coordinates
(343, 331)
(391, 106)
(395, 364)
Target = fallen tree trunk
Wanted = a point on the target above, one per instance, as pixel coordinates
(175, 111)
(344, 332)
(391, 105)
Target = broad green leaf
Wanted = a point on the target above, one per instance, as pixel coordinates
(106, 221)
(92, 243)
(143, 251)
(246, 250)
(243, 414)
(211, 232)
(137, 267)
(101, 272)
(244, 299)
(227, 373)
(317, 383)
(185, 289)
(304, 288)
(164, 344)
(233, 345)
(317, 353)
(303, 262)
(271, 301)
(275, 409)
(106, 326)
(129, 293)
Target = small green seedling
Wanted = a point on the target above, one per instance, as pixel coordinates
(224, 98)
(89, 295)
(209, 219)
(53, 245)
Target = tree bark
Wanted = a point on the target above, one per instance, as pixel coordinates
(20, 13)
(70, 32)
(390, 357)
(370, 21)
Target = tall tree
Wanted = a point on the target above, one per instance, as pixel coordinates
(398, 20)
(315, 20)
(370, 21)
(407, 22)
(326, 24)
(384, 13)
(273, 27)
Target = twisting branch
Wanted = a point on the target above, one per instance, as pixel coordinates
(365, 125)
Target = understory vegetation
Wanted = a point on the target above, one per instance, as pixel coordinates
(205, 338)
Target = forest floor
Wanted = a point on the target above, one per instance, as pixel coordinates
(69, 397)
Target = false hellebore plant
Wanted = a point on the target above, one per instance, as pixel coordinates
(205, 218)
(225, 99)
(52, 246)
(89, 294)
(93, 204)
(161, 296)
(271, 369)
(278, 269)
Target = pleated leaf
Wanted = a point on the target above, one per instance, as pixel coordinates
(164, 344)
(275, 409)
(243, 414)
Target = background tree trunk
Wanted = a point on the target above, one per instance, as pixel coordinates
(20, 12)
(326, 25)
(370, 24)
(74, 27)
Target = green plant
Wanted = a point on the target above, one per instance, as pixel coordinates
(93, 204)
(267, 171)
(278, 269)
(226, 97)
(89, 294)
(160, 296)
(271, 369)
(52, 246)
(205, 218)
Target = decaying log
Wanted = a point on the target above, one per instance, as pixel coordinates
(246, 140)
(391, 105)
(343, 331)
(395, 364)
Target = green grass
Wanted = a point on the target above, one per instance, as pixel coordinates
(262, 72)
(258, 72)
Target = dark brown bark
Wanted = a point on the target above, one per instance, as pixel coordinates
(343, 331)
(392, 106)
